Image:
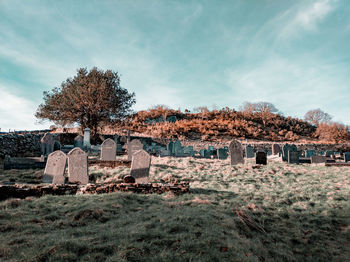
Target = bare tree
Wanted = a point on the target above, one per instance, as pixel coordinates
(259, 107)
(317, 117)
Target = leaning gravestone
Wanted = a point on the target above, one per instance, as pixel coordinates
(47, 143)
(133, 146)
(236, 152)
(346, 156)
(140, 165)
(79, 141)
(55, 167)
(108, 150)
(260, 158)
(78, 167)
(293, 157)
(318, 159)
(276, 149)
(249, 151)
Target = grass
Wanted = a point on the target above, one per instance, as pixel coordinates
(278, 212)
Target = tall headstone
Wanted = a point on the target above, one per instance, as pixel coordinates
(178, 151)
(79, 141)
(276, 149)
(133, 146)
(47, 143)
(236, 152)
(108, 150)
(78, 166)
(293, 157)
(55, 167)
(140, 165)
(318, 159)
(249, 151)
(86, 142)
(170, 147)
(347, 156)
(260, 158)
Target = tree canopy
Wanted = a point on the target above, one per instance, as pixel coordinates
(259, 107)
(317, 117)
(89, 99)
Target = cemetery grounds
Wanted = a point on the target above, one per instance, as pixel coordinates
(278, 212)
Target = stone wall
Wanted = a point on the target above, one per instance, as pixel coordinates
(18, 145)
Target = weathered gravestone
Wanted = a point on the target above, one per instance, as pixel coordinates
(276, 149)
(204, 153)
(123, 139)
(78, 167)
(260, 158)
(293, 157)
(347, 156)
(222, 153)
(86, 142)
(108, 150)
(56, 145)
(287, 148)
(140, 165)
(249, 151)
(47, 143)
(79, 141)
(310, 153)
(178, 150)
(188, 151)
(55, 167)
(329, 153)
(170, 147)
(133, 146)
(236, 152)
(318, 159)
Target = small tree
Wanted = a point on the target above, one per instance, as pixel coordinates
(259, 107)
(90, 99)
(317, 117)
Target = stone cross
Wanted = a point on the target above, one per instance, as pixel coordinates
(79, 141)
(108, 150)
(260, 158)
(47, 142)
(236, 152)
(140, 165)
(78, 167)
(134, 146)
(55, 167)
(276, 149)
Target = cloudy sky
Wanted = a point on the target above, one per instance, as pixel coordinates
(185, 54)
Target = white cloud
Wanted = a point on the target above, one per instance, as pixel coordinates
(17, 113)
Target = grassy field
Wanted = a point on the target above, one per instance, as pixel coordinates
(278, 212)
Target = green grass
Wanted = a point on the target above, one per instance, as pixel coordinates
(279, 212)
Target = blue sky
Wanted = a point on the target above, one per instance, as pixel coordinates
(185, 54)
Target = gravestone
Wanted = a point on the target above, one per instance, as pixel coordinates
(108, 150)
(204, 153)
(133, 146)
(86, 143)
(269, 153)
(329, 153)
(310, 153)
(170, 147)
(347, 156)
(78, 166)
(165, 152)
(260, 158)
(56, 145)
(287, 148)
(140, 165)
(79, 141)
(249, 151)
(123, 139)
(178, 151)
(188, 151)
(236, 152)
(276, 149)
(222, 153)
(293, 157)
(55, 167)
(47, 143)
(318, 159)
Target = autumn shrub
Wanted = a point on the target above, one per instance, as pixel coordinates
(333, 132)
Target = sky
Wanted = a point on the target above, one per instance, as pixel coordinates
(184, 54)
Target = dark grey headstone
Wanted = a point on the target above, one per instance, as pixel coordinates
(170, 147)
(260, 158)
(249, 151)
(47, 143)
(236, 152)
(133, 146)
(318, 159)
(140, 165)
(287, 147)
(178, 151)
(293, 157)
(347, 156)
(108, 150)
(310, 153)
(55, 167)
(78, 166)
(79, 141)
(329, 153)
(222, 153)
(276, 149)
